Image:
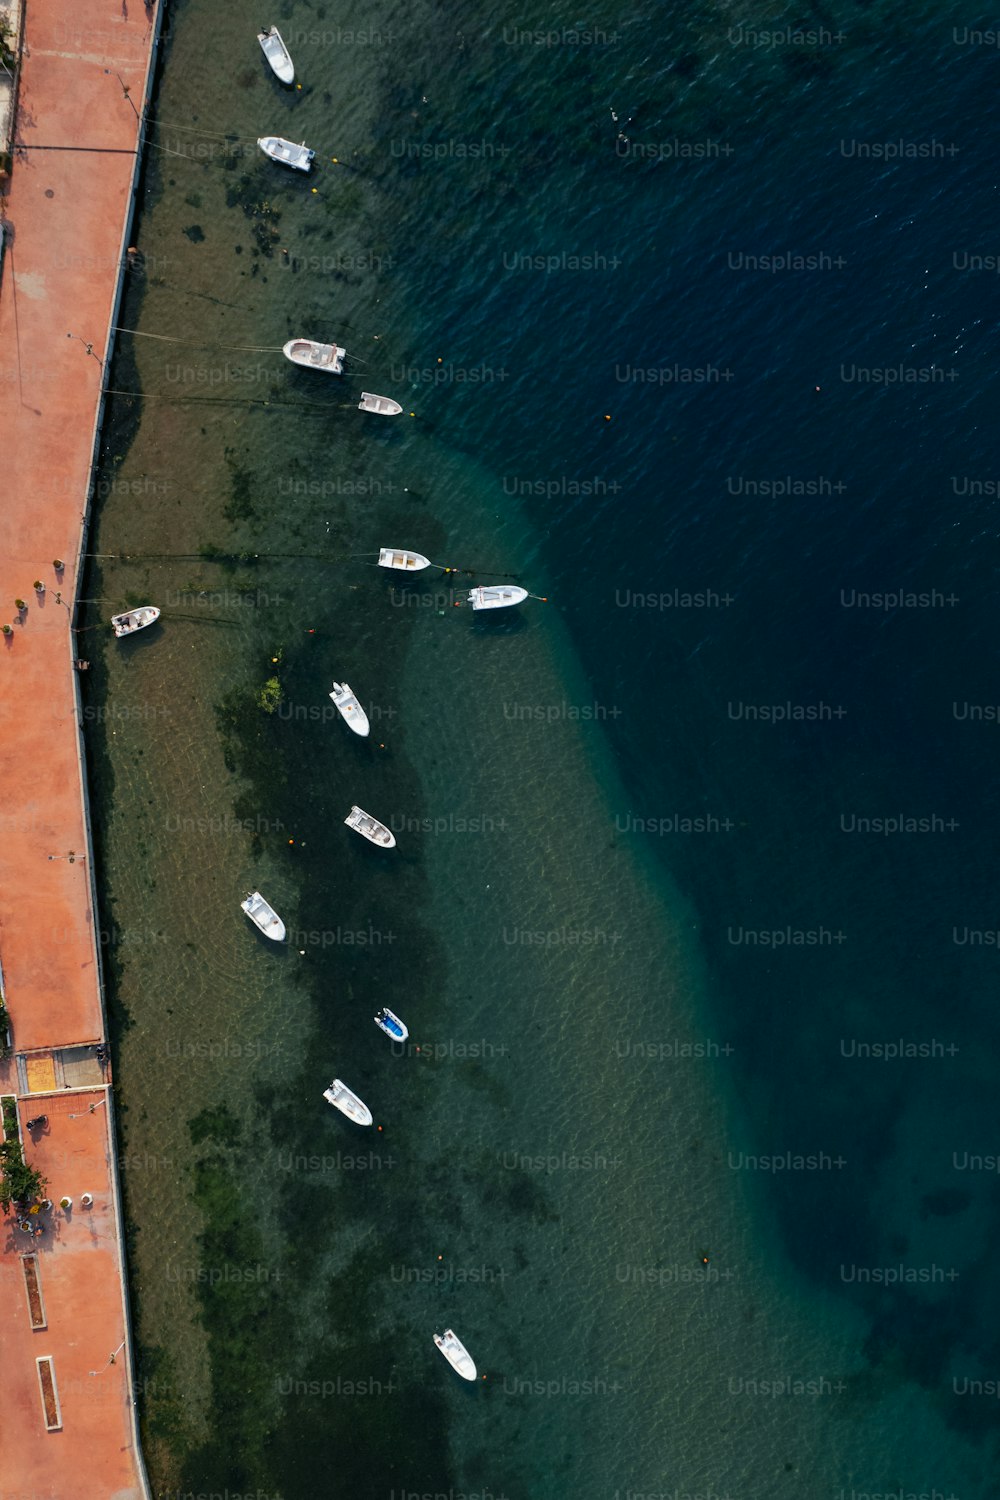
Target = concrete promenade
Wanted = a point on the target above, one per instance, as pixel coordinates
(68, 1424)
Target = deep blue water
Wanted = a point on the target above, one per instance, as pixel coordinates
(883, 473)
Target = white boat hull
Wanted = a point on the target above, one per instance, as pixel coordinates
(496, 596)
(380, 404)
(370, 828)
(264, 916)
(135, 619)
(344, 1099)
(456, 1354)
(277, 54)
(387, 1020)
(350, 709)
(312, 355)
(399, 558)
(287, 152)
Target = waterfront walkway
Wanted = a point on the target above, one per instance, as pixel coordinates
(84, 77)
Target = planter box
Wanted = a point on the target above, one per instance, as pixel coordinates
(50, 1395)
(3, 1128)
(33, 1291)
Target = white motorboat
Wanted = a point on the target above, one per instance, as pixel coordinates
(277, 54)
(349, 707)
(342, 1098)
(264, 916)
(370, 828)
(287, 152)
(315, 356)
(380, 404)
(390, 1023)
(135, 619)
(406, 562)
(456, 1354)
(496, 595)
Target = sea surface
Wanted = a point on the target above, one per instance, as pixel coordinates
(693, 314)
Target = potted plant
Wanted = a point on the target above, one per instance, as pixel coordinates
(86, 1200)
(58, 564)
(7, 630)
(38, 586)
(66, 1204)
(20, 606)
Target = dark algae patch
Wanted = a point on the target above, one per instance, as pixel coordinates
(243, 1300)
(335, 1380)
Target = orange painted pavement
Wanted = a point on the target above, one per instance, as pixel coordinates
(92, 1454)
(65, 213)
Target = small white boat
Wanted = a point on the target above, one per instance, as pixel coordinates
(380, 404)
(264, 916)
(398, 557)
(456, 1354)
(392, 1025)
(349, 707)
(315, 356)
(277, 54)
(342, 1098)
(135, 619)
(287, 152)
(370, 828)
(496, 596)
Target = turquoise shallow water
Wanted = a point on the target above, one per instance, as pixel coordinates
(614, 1081)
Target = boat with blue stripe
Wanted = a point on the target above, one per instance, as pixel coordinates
(390, 1023)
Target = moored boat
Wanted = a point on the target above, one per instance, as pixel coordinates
(399, 557)
(315, 356)
(456, 1354)
(135, 619)
(264, 916)
(381, 404)
(349, 707)
(390, 1023)
(277, 54)
(496, 595)
(344, 1099)
(287, 152)
(370, 828)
